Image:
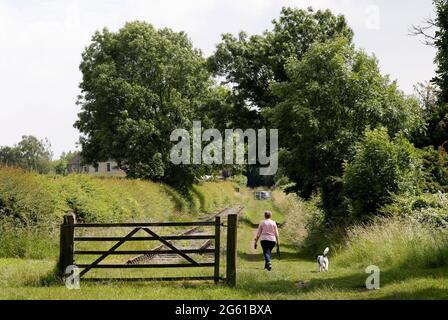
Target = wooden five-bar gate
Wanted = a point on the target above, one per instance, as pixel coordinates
(69, 238)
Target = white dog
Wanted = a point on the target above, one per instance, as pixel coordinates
(322, 261)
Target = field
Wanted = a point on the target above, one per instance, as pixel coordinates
(412, 260)
(293, 277)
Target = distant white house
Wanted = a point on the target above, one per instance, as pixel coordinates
(109, 167)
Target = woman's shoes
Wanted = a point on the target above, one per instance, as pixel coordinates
(269, 267)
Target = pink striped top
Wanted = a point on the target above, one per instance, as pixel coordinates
(267, 230)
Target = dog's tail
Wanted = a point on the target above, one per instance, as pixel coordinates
(326, 251)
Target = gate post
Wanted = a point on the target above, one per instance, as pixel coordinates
(217, 247)
(66, 242)
(232, 221)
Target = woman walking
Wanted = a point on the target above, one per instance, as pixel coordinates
(268, 234)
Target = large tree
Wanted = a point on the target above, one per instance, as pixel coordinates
(139, 84)
(435, 33)
(251, 64)
(441, 43)
(335, 93)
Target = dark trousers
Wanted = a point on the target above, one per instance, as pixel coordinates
(267, 250)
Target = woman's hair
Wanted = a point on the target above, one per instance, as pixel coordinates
(268, 214)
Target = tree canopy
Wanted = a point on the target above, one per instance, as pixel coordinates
(436, 117)
(139, 84)
(441, 43)
(251, 64)
(335, 93)
(30, 153)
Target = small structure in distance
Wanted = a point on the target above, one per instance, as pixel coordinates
(262, 195)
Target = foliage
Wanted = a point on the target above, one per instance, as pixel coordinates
(30, 153)
(426, 93)
(298, 215)
(435, 170)
(334, 94)
(255, 179)
(251, 64)
(437, 124)
(28, 198)
(31, 242)
(381, 167)
(437, 117)
(426, 208)
(441, 44)
(30, 212)
(60, 165)
(139, 84)
(240, 180)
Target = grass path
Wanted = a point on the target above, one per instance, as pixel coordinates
(293, 277)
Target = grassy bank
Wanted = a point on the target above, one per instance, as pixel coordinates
(32, 206)
(395, 243)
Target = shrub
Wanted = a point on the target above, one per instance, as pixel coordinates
(28, 197)
(86, 199)
(381, 167)
(425, 208)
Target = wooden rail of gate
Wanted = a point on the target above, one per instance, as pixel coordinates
(68, 252)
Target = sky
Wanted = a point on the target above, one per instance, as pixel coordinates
(41, 42)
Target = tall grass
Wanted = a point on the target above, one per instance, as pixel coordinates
(394, 243)
(305, 226)
(31, 242)
(296, 215)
